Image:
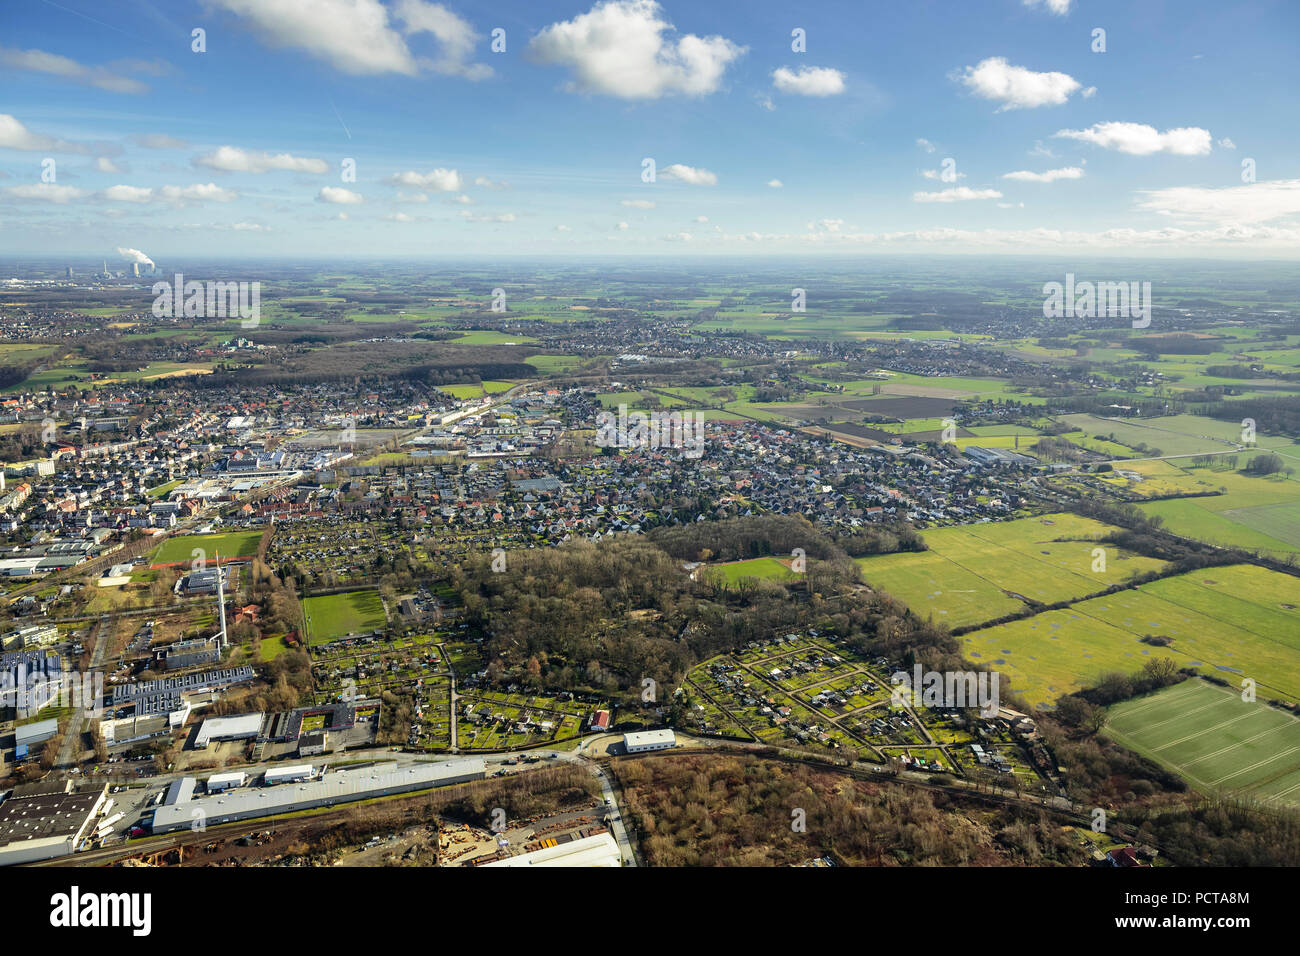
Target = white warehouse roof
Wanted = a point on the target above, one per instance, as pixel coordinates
(217, 728)
(337, 786)
(276, 774)
(236, 777)
(598, 850)
(645, 738)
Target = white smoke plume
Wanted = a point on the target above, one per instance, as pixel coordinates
(134, 255)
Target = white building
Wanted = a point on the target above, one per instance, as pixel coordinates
(287, 774)
(643, 740)
(241, 727)
(598, 850)
(220, 782)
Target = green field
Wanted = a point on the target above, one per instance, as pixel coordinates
(979, 572)
(331, 616)
(1239, 620)
(233, 544)
(1214, 739)
(737, 571)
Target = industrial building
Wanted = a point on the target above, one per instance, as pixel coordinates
(180, 791)
(36, 635)
(43, 822)
(311, 745)
(643, 740)
(37, 733)
(241, 727)
(338, 786)
(279, 775)
(220, 782)
(204, 650)
(596, 850)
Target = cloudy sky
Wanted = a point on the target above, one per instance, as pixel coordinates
(366, 128)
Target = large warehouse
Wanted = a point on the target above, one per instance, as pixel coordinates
(242, 727)
(643, 740)
(42, 822)
(597, 850)
(338, 786)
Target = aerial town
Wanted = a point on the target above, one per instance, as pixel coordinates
(729, 449)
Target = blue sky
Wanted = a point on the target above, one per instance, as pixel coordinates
(758, 149)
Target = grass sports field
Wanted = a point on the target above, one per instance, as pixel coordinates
(234, 544)
(1215, 740)
(736, 571)
(1239, 620)
(334, 615)
(975, 573)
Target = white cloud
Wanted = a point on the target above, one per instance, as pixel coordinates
(618, 48)
(158, 141)
(232, 159)
(1227, 143)
(775, 183)
(412, 197)
(926, 145)
(1050, 176)
(637, 203)
(1016, 87)
(809, 81)
(456, 38)
(352, 35)
(690, 175)
(957, 194)
(14, 135)
(39, 61)
(46, 192)
(1040, 150)
(563, 228)
(1088, 92)
(1228, 205)
(764, 102)
(1011, 205)
(250, 227)
(463, 200)
(938, 174)
(438, 180)
(621, 226)
(128, 193)
(1138, 139)
(399, 217)
(474, 217)
(1058, 7)
(490, 184)
(337, 194)
(358, 37)
(200, 192)
(701, 218)
(106, 165)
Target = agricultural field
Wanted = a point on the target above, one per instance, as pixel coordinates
(1240, 620)
(979, 572)
(229, 545)
(1216, 741)
(334, 615)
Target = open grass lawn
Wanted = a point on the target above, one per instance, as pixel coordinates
(933, 586)
(232, 544)
(736, 571)
(1214, 739)
(334, 615)
(1230, 622)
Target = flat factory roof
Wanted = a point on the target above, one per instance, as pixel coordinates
(337, 786)
(641, 738)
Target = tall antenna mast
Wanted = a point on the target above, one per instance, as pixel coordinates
(221, 602)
